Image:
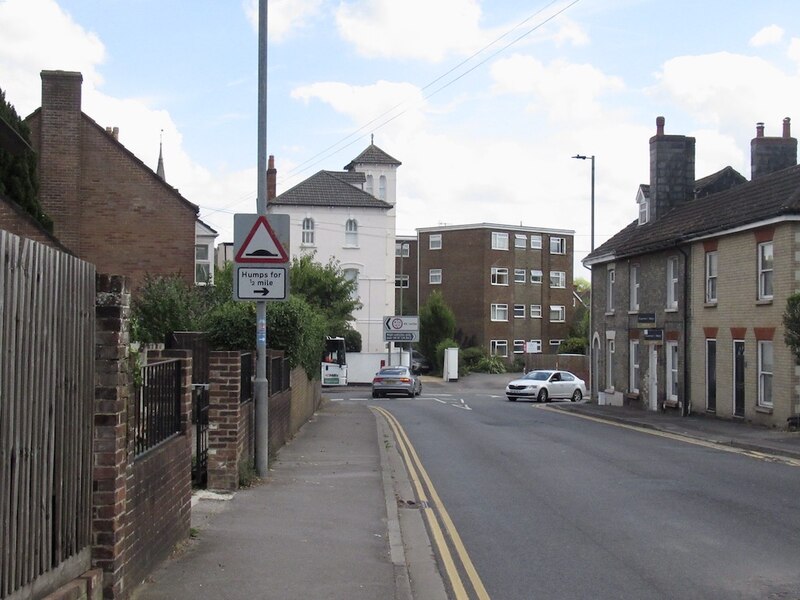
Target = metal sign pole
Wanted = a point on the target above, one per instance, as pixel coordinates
(261, 383)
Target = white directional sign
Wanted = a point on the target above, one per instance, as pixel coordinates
(261, 283)
(401, 329)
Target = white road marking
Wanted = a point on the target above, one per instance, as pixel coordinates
(463, 405)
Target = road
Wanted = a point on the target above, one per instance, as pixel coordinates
(549, 505)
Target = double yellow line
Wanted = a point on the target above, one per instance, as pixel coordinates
(434, 512)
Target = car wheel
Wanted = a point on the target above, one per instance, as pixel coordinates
(577, 396)
(374, 394)
(511, 398)
(542, 397)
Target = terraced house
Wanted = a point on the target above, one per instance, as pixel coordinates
(689, 298)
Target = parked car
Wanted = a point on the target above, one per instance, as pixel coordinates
(419, 364)
(396, 380)
(543, 385)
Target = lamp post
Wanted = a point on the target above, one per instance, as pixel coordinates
(591, 295)
(403, 248)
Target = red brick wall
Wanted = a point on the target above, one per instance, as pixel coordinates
(18, 222)
(223, 420)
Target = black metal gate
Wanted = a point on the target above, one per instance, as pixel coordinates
(196, 342)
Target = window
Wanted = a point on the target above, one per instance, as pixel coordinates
(765, 271)
(644, 211)
(711, 375)
(672, 371)
(610, 364)
(499, 241)
(536, 241)
(351, 233)
(435, 241)
(499, 312)
(401, 281)
(535, 347)
(308, 231)
(519, 311)
(369, 186)
(499, 348)
(202, 265)
(558, 279)
(557, 313)
(402, 249)
(435, 276)
(352, 275)
(672, 282)
(633, 384)
(610, 278)
(519, 346)
(634, 292)
(556, 343)
(499, 276)
(519, 275)
(382, 187)
(766, 364)
(536, 311)
(711, 276)
(558, 245)
(536, 276)
(520, 240)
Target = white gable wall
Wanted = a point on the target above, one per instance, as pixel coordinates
(388, 171)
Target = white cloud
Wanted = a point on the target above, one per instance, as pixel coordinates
(767, 36)
(794, 50)
(284, 17)
(570, 33)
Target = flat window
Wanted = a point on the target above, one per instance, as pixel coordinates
(634, 292)
(352, 275)
(308, 231)
(558, 279)
(535, 347)
(711, 276)
(519, 346)
(558, 245)
(536, 311)
(610, 278)
(766, 366)
(644, 211)
(499, 312)
(610, 349)
(765, 271)
(557, 313)
(401, 281)
(435, 241)
(519, 276)
(435, 276)
(202, 265)
(672, 282)
(556, 343)
(520, 241)
(499, 276)
(499, 348)
(369, 185)
(519, 311)
(672, 371)
(351, 233)
(536, 241)
(536, 276)
(401, 249)
(382, 187)
(499, 241)
(633, 384)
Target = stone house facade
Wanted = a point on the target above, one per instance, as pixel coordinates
(688, 299)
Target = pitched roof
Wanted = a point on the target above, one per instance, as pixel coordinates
(326, 188)
(372, 156)
(771, 196)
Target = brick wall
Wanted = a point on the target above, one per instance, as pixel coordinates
(224, 420)
(18, 222)
(306, 399)
(88, 586)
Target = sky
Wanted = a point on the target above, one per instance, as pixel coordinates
(483, 102)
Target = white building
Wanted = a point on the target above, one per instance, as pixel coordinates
(349, 216)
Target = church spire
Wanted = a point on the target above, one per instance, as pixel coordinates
(160, 168)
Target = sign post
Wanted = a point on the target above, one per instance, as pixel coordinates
(400, 328)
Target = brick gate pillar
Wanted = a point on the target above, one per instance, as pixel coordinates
(223, 420)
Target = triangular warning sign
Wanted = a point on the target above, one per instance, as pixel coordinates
(261, 245)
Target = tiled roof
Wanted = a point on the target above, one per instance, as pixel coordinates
(351, 177)
(372, 156)
(326, 188)
(770, 196)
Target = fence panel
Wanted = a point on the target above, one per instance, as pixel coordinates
(47, 345)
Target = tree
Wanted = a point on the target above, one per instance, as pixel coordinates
(791, 321)
(18, 179)
(165, 304)
(436, 324)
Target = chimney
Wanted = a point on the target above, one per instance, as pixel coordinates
(771, 154)
(671, 170)
(272, 174)
(113, 132)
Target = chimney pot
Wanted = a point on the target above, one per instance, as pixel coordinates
(659, 125)
(272, 176)
(787, 127)
(760, 130)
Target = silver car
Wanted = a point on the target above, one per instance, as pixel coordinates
(543, 385)
(396, 380)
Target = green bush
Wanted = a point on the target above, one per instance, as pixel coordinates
(471, 356)
(491, 364)
(352, 340)
(231, 326)
(573, 345)
(297, 328)
(162, 305)
(438, 359)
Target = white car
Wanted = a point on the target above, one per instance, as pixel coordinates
(543, 385)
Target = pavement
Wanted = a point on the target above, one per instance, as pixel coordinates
(336, 517)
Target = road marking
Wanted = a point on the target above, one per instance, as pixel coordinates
(439, 401)
(418, 476)
(463, 405)
(793, 462)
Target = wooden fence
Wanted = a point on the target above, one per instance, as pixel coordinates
(47, 344)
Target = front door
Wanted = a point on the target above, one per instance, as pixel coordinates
(738, 378)
(652, 388)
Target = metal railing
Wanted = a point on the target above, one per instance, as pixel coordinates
(158, 406)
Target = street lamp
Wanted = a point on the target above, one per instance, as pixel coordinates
(591, 347)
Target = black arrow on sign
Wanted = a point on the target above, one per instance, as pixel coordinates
(262, 291)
